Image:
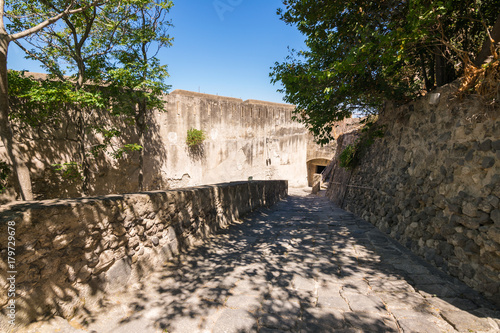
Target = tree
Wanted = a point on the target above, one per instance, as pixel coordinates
(97, 47)
(40, 18)
(363, 53)
(139, 72)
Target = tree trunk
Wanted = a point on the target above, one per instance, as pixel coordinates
(428, 85)
(440, 67)
(82, 152)
(141, 126)
(485, 52)
(15, 155)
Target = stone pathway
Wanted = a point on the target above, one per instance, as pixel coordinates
(302, 266)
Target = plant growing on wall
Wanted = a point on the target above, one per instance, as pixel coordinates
(195, 137)
(194, 142)
(69, 170)
(351, 155)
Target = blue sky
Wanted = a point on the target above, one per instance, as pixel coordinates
(223, 47)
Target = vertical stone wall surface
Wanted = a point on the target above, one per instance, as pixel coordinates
(433, 183)
(243, 139)
(70, 253)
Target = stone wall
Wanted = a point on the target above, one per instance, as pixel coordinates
(243, 139)
(433, 183)
(70, 253)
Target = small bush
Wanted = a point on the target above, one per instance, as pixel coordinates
(348, 157)
(195, 137)
(71, 170)
(351, 155)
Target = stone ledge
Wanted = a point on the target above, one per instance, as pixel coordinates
(70, 253)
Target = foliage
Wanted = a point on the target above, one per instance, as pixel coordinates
(483, 81)
(349, 157)
(125, 149)
(352, 154)
(98, 59)
(42, 103)
(69, 170)
(195, 137)
(138, 70)
(362, 53)
(4, 175)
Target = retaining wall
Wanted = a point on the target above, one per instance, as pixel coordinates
(243, 139)
(70, 253)
(433, 183)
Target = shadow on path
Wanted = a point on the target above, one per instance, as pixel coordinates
(302, 266)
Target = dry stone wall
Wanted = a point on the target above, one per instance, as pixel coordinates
(70, 253)
(433, 183)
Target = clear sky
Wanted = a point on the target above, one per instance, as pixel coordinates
(223, 47)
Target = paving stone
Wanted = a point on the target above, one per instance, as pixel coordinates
(276, 321)
(425, 279)
(303, 283)
(243, 302)
(329, 297)
(397, 286)
(281, 307)
(251, 287)
(404, 300)
(365, 303)
(463, 321)
(439, 290)
(321, 320)
(371, 322)
(302, 266)
(237, 321)
(411, 268)
(270, 330)
(417, 325)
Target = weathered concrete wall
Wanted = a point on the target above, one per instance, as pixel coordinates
(70, 253)
(244, 139)
(433, 183)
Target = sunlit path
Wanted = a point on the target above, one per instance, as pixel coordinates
(302, 266)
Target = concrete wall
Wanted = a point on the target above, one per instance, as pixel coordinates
(433, 183)
(244, 139)
(70, 253)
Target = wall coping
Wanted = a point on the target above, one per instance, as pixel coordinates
(21, 206)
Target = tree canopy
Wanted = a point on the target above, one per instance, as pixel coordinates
(93, 54)
(362, 53)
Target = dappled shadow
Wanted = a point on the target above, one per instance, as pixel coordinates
(299, 266)
(53, 143)
(65, 248)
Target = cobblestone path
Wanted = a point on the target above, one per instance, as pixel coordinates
(302, 266)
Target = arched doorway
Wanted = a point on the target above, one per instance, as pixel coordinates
(315, 166)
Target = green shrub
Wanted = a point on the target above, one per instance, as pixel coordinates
(348, 157)
(195, 137)
(351, 155)
(71, 170)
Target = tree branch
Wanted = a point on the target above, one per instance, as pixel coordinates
(45, 63)
(49, 21)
